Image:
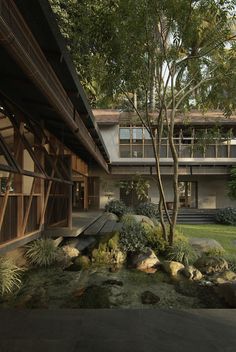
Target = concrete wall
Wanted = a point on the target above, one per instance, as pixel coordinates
(212, 193)
(212, 187)
(212, 190)
(110, 136)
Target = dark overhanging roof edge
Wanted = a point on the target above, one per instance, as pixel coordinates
(51, 20)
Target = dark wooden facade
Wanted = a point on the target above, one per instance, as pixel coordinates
(47, 130)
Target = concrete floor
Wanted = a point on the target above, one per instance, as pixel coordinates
(118, 330)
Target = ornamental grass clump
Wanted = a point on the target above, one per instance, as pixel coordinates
(42, 252)
(9, 276)
(183, 252)
(133, 237)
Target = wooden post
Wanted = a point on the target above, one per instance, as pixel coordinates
(85, 193)
(18, 179)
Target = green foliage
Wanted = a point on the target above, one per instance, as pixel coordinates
(156, 241)
(133, 237)
(183, 252)
(128, 219)
(82, 262)
(109, 252)
(215, 252)
(42, 252)
(232, 184)
(138, 185)
(9, 276)
(148, 209)
(226, 216)
(117, 207)
(231, 260)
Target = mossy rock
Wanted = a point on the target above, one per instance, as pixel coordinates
(113, 242)
(81, 262)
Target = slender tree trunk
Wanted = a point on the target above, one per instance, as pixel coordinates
(175, 165)
(135, 100)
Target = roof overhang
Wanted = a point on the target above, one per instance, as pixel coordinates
(41, 87)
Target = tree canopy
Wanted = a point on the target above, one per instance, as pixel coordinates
(118, 45)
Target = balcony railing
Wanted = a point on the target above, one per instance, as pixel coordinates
(185, 149)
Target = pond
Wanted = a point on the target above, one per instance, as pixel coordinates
(101, 287)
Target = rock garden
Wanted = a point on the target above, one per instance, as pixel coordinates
(132, 268)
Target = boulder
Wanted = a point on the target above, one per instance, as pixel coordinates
(147, 297)
(57, 241)
(172, 268)
(227, 291)
(113, 217)
(192, 273)
(145, 260)
(63, 260)
(81, 262)
(225, 276)
(203, 245)
(142, 219)
(211, 264)
(71, 252)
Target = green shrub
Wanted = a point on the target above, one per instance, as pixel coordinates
(9, 276)
(183, 252)
(128, 219)
(231, 260)
(133, 237)
(42, 252)
(156, 241)
(148, 209)
(226, 216)
(215, 252)
(116, 207)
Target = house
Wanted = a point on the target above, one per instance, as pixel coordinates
(48, 135)
(206, 146)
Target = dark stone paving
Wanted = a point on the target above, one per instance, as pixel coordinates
(118, 330)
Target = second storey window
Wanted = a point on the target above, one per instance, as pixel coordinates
(135, 142)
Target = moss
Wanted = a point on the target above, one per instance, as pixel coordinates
(82, 262)
(113, 242)
(108, 252)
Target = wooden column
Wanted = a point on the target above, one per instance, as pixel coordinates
(18, 179)
(69, 222)
(85, 193)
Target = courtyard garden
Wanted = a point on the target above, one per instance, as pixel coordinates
(134, 267)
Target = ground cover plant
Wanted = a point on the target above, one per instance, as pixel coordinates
(116, 207)
(10, 276)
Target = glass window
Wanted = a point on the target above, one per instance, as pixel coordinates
(147, 137)
(137, 136)
(124, 135)
(137, 151)
(222, 151)
(210, 151)
(148, 151)
(125, 151)
(233, 151)
(185, 151)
